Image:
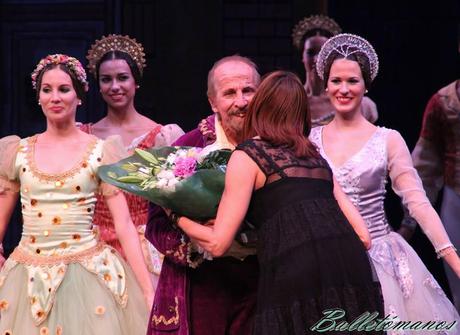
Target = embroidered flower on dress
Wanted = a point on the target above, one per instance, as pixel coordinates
(59, 330)
(432, 283)
(4, 305)
(44, 331)
(57, 220)
(100, 310)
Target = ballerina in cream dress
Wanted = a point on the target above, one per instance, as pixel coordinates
(61, 279)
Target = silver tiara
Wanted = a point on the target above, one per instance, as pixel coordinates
(346, 45)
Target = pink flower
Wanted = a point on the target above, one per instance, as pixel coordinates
(184, 167)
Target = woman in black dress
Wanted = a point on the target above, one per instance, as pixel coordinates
(311, 240)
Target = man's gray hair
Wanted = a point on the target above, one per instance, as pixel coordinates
(234, 58)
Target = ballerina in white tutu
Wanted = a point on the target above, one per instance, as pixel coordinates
(361, 156)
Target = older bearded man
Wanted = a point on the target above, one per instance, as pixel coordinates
(196, 296)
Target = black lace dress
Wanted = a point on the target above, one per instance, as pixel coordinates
(310, 257)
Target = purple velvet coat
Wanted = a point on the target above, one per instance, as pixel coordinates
(171, 311)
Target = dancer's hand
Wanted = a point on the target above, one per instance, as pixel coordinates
(453, 260)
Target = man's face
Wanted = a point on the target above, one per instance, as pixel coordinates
(234, 87)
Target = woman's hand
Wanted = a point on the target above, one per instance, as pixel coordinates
(451, 257)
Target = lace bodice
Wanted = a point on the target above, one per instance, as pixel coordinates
(278, 162)
(364, 175)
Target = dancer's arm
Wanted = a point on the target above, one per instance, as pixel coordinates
(352, 215)
(129, 240)
(407, 184)
(9, 184)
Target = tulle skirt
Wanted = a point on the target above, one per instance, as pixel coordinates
(82, 305)
(409, 290)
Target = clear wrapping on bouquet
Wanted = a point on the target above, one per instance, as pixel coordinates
(187, 180)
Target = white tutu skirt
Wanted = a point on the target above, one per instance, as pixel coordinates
(82, 305)
(409, 290)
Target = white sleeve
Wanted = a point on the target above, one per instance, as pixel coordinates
(407, 184)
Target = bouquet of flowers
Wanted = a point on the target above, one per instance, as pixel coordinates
(188, 180)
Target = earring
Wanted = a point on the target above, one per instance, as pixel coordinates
(79, 103)
(366, 91)
(138, 86)
(326, 89)
(39, 103)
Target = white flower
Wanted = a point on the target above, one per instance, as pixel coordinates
(162, 183)
(172, 182)
(165, 174)
(145, 170)
(182, 153)
(171, 158)
(208, 149)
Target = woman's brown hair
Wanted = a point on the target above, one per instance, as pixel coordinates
(279, 114)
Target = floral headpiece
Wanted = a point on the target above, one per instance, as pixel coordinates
(310, 23)
(115, 43)
(346, 45)
(71, 63)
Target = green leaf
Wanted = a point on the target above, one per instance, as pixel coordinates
(130, 179)
(129, 167)
(112, 175)
(147, 156)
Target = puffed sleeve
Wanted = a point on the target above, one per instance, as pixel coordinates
(8, 173)
(369, 109)
(407, 184)
(113, 150)
(168, 134)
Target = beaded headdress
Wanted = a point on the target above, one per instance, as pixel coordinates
(346, 45)
(71, 63)
(115, 43)
(314, 22)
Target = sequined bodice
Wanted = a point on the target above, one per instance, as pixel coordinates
(363, 178)
(58, 209)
